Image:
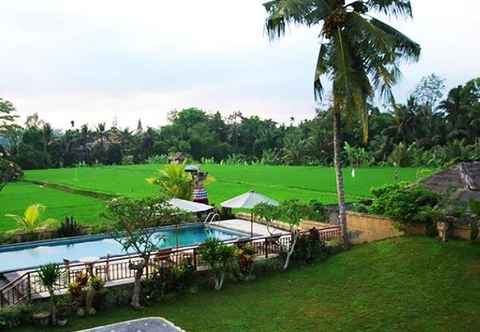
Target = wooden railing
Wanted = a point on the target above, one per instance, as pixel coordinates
(115, 270)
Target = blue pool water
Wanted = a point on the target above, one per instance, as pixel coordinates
(22, 256)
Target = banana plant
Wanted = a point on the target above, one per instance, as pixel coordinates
(32, 217)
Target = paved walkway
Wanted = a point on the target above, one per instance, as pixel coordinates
(245, 226)
(152, 324)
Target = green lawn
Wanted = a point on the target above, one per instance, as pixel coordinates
(279, 182)
(404, 284)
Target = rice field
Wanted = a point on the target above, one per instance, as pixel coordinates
(279, 182)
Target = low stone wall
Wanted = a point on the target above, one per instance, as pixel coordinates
(461, 232)
(366, 228)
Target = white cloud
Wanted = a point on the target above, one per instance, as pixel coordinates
(91, 60)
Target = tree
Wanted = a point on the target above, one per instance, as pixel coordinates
(174, 181)
(267, 212)
(219, 258)
(430, 90)
(49, 275)
(359, 53)
(356, 157)
(9, 171)
(133, 221)
(292, 212)
(7, 116)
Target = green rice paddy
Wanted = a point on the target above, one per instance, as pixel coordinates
(279, 182)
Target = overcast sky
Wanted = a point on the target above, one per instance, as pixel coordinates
(90, 61)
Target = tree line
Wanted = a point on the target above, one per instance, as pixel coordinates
(430, 129)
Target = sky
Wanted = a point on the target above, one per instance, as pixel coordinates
(96, 61)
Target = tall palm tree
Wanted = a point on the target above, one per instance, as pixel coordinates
(359, 53)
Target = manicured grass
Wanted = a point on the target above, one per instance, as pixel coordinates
(279, 182)
(404, 284)
(17, 196)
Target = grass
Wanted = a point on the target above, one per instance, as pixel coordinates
(15, 197)
(279, 182)
(403, 284)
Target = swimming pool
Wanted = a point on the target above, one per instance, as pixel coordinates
(34, 254)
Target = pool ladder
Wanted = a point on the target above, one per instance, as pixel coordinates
(211, 217)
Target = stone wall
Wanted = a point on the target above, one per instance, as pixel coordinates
(366, 228)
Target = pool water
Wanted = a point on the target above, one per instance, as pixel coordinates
(22, 256)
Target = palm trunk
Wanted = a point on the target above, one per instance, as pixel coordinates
(342, 216)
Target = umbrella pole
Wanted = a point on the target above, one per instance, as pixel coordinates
(251, 225)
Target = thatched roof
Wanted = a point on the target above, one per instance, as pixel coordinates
(462, 179)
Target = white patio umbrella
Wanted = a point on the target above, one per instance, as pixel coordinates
(189, 206)
(248, 201)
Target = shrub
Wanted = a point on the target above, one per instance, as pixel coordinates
(9, 171)
(219, 258)
(404, 203)
(309, 247)
(246, 260)
(317, 211)
(69, 227)
(473, 231)
(31, 219)
(475, 209)
(158, 159)
(14, 316)
(96, 283)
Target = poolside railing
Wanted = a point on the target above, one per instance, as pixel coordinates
(116, 270)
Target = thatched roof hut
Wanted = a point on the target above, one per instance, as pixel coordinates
(462, 179)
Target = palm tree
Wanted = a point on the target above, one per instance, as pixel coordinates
(359, 53)
(49, 275)
(174, 181)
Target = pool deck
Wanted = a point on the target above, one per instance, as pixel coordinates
(245, 227)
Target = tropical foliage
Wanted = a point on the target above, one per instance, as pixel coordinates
(219, 257)
(32, 218)
(405, 203)
(49, 275)
(358, 53)
(434, 131)
(174, 181)
(133, 221)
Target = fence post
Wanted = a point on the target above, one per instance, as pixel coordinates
(107, 268)
(266, 247)
(146, 266)
(29, 288)
(195, 259)
(66, 263)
